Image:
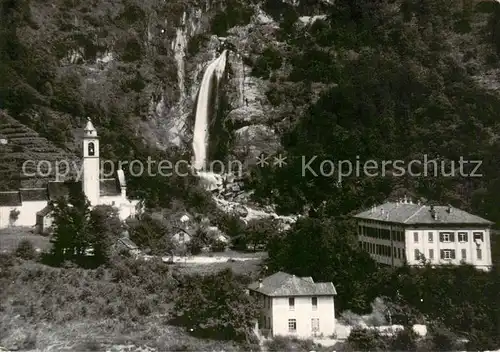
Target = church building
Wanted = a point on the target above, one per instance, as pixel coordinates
(28, 207)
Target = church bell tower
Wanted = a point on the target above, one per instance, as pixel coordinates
(91, 164)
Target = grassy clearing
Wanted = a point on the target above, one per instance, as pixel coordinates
(11, 237)
(126, 304)
(234, 254)
(101, 335)
(248, 267)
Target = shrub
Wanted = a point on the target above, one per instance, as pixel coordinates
(216, 306)
(25, 250)
(195, 43)
(443, 339)
(132, 51)
(132, 14)
(361, 339)
(269, 60)
(485, 6)
(235, 14)
(286, 343)
(195, 246)
(91, 345)
(218, 246)
(13, 216)
(405, 340)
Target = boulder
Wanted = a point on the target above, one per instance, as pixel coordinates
(240, 210)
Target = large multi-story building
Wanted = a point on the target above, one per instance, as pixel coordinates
(294, 306)
(395, 232)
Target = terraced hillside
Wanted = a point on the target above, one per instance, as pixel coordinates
(25, 145)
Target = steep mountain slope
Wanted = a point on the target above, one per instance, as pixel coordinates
(28, 160)
(381, 80)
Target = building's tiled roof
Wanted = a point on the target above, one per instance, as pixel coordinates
(45, 211)
(109, 187)
(10, 199)
(59, 190)
(128, 243)
(283, 284)
(417, 214)
(34, 194)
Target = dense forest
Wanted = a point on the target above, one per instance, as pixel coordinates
(370, 80)
(400, 81)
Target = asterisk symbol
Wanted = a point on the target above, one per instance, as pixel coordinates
(279, 160)
(262, 160)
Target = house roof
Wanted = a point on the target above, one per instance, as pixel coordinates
(417, 214)
(34, 194)
(284, 284)
(11, 198)
(45, 211)
(109, 187)
(59, 190)
(128, 243)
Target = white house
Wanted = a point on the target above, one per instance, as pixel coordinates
(395, 232)
(29, 206)
(296, 306)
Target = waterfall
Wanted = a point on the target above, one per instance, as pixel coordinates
(180, 44)
(200, 136)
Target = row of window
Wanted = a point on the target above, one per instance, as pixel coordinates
(399, 253)
(382, 234)
(448, 254)
(398, 235)
(314, 303)
(382, 250)
(450, 237)
(292, 325)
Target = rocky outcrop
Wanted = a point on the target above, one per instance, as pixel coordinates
(253, 140)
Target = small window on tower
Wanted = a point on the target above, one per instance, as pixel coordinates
(91, 149)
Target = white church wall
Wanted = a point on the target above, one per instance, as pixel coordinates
(125, 207)
(91, 186)
(27, 214)
(114, 201)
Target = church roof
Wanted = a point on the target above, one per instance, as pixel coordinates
(34, 194)
(11, 199)
(59, 190)
(109, 187)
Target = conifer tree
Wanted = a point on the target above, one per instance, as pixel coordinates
(72, 231)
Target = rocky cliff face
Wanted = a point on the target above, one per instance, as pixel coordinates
(139, 64)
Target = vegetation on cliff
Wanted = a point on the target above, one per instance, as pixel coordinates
(395, 80)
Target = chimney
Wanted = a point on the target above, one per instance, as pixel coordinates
(260, 283)
(405, 200)
(449, 209)
(433, 212)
